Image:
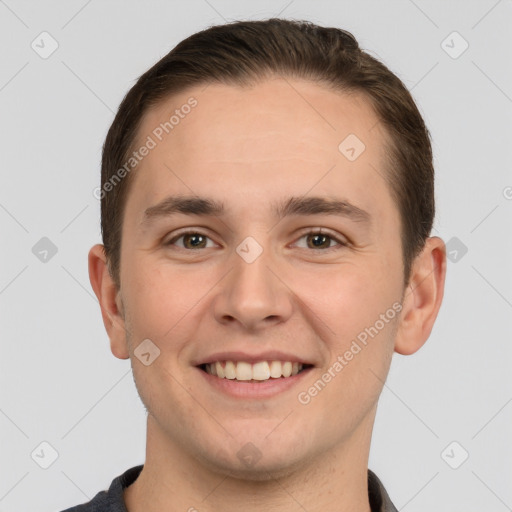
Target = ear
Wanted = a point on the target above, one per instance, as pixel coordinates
(422, 297)
(110, 301)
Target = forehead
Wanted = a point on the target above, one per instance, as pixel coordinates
(278, 135)
(302, 111)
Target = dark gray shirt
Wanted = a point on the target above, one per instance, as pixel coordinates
(112, 499)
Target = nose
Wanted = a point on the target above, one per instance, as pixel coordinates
(253, 295)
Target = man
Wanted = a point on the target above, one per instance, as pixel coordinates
(267, 200)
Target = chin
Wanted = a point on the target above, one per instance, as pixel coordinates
(249, 462)
(260, 472)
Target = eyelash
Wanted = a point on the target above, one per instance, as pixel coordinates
(315, 231)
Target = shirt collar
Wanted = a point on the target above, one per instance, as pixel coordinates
(379, 498)
(377, 494)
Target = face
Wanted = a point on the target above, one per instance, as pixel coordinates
(249, 236)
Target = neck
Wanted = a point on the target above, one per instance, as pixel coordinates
(173, 480)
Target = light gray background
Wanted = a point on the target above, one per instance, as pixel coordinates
(59, 381)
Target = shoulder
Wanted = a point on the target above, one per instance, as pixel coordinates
(378, 496)
(110, 500)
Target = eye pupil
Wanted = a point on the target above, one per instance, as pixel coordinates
(195, 240)
(319, 240)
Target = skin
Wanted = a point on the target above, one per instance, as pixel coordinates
(249, 148)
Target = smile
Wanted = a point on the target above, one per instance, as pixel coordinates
(259, 371)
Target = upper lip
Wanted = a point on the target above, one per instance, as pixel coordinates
(272, 355)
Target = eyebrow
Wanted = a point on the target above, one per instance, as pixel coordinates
(194, 205)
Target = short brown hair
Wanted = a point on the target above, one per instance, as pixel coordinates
(246, 52)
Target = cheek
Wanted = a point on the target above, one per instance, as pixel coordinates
(157, 297)
(360, 313)
(348, 298)
(168, 301)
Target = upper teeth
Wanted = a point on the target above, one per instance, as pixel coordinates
(262, 370)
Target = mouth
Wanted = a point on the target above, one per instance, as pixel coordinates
(258, 372)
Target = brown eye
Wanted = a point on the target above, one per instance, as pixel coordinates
(320, 240)
(194, 241)
(191, 240)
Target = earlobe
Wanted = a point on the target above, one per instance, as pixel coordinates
(110, 301)
(422, 297)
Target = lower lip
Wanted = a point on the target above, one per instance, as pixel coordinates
(248, 389)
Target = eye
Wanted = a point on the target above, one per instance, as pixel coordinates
(318, 239)
(191, 240)
(314, 239)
